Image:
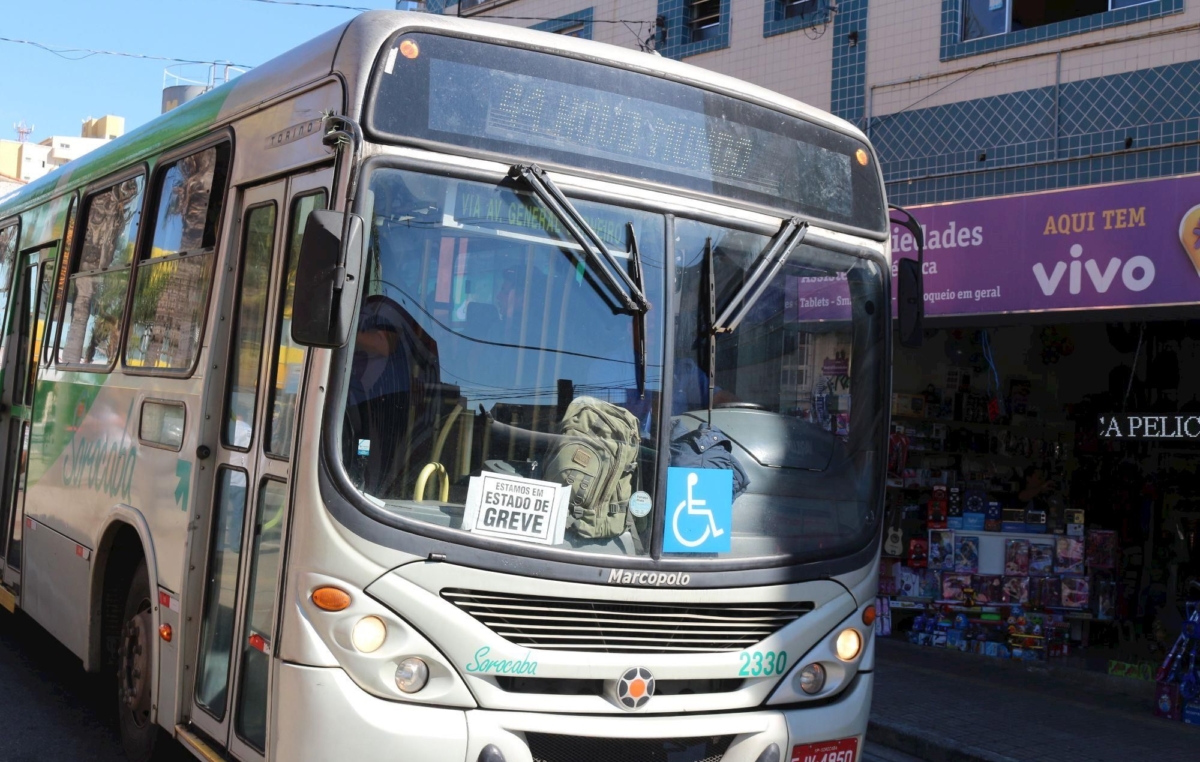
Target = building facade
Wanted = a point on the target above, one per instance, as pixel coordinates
(962, 98)
(26, 161)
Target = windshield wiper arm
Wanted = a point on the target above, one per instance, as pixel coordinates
(769, 264)
(639, 320)
(628, 294)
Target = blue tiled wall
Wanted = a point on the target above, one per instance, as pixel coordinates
(933, 154)
(676, 44)
(569, 20)
(849, 61)
(774, 22)
(954, 47)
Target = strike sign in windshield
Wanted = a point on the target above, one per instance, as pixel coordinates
(514, 508)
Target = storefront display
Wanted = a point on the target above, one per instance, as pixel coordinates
(1041, 500)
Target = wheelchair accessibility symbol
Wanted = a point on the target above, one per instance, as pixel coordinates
(700, 501)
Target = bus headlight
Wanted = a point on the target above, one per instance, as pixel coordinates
(812, 679)
(411, 675)
(849, 644)
(368, 634)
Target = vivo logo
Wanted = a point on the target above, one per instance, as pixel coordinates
(1136, 274)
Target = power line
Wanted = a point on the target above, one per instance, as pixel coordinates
(88, 53)
(559, 18)
(316, 5)
(359, 9)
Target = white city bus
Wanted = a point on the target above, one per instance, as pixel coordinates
(450, 391)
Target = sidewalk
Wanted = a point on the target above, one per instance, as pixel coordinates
(945, 706)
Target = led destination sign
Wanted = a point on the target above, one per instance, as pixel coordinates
(531, 105)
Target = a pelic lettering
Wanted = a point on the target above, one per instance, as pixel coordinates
(658, 579)
(483, 665)
(1150, 427)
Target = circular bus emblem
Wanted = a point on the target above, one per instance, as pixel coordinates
(635, 688)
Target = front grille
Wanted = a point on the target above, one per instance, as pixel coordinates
(552, 686)
(573, 624)
(553, 748)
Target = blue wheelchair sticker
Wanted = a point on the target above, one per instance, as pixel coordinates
(699, 510)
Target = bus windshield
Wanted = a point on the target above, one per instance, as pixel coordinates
(497, 391)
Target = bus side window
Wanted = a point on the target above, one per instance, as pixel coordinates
(289, 356)
(60, 267)
(170, 295)
(99, 275)
(8, 252)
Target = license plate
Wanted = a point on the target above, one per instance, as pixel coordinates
(845, 750)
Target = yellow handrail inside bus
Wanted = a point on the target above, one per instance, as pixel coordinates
(423, 481)
(447, 427)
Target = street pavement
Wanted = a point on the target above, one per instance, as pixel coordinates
(50, 709)
(874, 753)
(943, 705)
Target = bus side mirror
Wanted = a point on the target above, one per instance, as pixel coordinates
(910, 297)
(327, 279)
(910, 284)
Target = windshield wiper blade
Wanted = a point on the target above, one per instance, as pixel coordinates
(769, 264)
(628, 294)
(639, 320)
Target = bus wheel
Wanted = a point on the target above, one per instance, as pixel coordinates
(135, 672)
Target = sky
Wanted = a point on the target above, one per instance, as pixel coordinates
(56, 95)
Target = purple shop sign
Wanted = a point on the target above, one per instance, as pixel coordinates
(1134, 244)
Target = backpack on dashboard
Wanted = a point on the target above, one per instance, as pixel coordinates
(597, 456)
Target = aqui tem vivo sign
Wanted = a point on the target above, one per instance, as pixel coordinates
(1127, 245)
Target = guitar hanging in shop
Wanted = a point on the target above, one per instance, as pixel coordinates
(894, 544)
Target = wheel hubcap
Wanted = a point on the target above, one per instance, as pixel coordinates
(133, 672)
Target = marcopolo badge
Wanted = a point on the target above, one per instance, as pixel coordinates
(635, 688)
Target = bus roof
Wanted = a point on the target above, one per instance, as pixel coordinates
(350, 50)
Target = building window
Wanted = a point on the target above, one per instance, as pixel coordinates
(704, 19)
(982, 18)
(780, 16)
(691, 27)
(577, 24)
(970, 27)
(170, 294)
(793, 9)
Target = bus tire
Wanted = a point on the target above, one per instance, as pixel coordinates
(140, 735)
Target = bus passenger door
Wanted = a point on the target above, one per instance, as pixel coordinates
(32, 289)
(230, 701)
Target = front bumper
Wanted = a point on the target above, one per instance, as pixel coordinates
(321, 715)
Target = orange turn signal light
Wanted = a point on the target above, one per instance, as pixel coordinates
(164, 632)
(409, 49)
(869, 616)
(862, 157)
(331, 599)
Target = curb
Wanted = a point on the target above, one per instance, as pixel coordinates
(1088, 680)
(927, 746)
